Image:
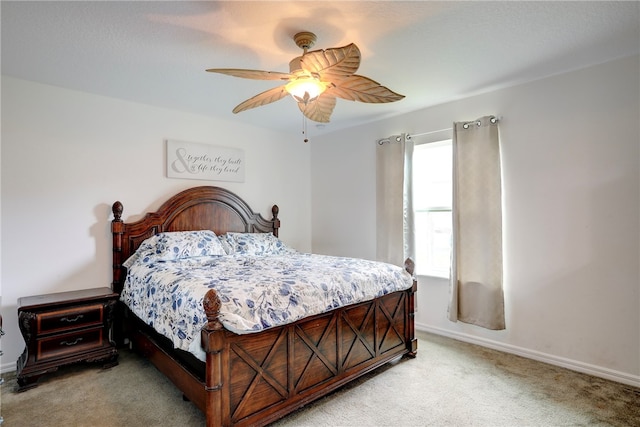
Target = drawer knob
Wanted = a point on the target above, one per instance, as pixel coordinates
(70, 343)
(72, 320)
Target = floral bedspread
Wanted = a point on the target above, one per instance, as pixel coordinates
(257, 292)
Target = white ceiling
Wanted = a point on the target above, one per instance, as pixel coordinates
(431, 51)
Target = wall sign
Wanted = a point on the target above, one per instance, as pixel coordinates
(190, 160)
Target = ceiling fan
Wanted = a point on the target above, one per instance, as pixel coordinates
(315, 80)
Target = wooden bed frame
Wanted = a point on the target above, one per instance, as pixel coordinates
(255, 379)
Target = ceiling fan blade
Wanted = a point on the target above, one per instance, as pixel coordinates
(363, 89)
(332, 64)
(251, 74)
(264, 98)
(320, 109)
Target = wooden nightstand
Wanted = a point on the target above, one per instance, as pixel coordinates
(64, 328)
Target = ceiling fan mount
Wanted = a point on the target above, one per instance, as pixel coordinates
(305, 40)
(315, 79)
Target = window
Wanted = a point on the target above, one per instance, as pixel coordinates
(432, 194)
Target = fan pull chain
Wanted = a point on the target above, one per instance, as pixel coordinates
(304, 128)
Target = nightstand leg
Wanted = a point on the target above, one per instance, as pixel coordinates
(111, 362)
(26, 383)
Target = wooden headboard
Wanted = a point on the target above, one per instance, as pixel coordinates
(198, 208)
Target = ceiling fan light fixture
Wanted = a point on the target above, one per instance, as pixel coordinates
(305, 88)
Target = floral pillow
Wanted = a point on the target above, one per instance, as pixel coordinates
(227, 243)
(177, 245)
(254, 244)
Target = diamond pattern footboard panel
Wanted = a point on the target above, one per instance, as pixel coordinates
(291, 365)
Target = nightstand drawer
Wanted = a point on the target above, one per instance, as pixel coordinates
(72, 318)
(65, 344)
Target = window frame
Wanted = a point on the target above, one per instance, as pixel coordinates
(434, 139)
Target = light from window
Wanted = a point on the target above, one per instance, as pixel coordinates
(432, 193)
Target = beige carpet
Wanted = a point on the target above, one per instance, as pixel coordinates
(450, 383)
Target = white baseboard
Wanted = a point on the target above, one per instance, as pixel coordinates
(5, 368)
(574, 365)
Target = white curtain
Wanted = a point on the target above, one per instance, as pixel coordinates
(476, 261)
(394, 210)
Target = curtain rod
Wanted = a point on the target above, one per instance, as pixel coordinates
(381, 141)
(409, 136)
(428, 133)
(493, 120)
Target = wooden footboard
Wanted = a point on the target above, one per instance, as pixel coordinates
(255, 379)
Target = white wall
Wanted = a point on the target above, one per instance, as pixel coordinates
(570, 146)
(67, 156)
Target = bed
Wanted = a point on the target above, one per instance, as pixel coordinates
(257, 377)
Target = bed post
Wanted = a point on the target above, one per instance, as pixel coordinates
(117, 230)
(213, 344)
(276, 222)
(412, 342)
